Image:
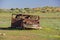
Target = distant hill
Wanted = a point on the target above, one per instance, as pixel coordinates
(45, 9)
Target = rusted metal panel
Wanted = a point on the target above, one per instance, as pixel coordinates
(25, 20)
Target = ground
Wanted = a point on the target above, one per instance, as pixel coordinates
(50, 29)
(43, 34)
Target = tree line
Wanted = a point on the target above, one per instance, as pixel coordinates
(45, 9)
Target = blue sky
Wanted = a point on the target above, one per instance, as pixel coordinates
(28, 3)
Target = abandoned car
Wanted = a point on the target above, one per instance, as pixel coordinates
(25, 21)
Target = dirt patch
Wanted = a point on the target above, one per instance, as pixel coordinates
(2, 22)
(19, 37)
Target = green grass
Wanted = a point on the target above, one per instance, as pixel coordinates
(50, 29)
(50, 14)
(5, 19)
(44, 34)
(51, 23)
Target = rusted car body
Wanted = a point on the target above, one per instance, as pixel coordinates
(25, 21)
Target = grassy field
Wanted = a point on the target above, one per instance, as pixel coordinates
(5, 19)
(50, 28)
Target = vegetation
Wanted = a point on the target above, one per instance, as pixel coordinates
(46, 9)
(50, 26)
